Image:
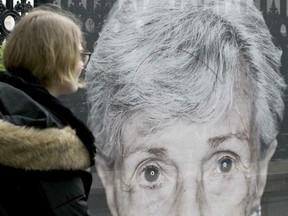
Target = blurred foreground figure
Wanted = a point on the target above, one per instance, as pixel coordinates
(186, 100)
(44, 148)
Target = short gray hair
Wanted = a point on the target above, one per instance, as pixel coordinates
(180, 60)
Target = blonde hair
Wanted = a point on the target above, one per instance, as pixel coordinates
(46, 44)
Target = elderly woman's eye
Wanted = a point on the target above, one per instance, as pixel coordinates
(225, 164)
(151, 173)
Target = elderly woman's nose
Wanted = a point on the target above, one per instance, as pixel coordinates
(188, 199)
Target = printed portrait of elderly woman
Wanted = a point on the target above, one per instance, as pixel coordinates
(186, 98)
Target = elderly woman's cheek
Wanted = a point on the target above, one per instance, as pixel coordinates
(227, 193)
(148, 201)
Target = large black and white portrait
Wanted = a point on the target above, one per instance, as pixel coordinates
(186, 100)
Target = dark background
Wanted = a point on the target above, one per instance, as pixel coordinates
(93, 13)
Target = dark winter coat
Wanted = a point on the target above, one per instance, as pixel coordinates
(44, 153)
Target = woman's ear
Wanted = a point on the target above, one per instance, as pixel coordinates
(263, 168)
(106, 176)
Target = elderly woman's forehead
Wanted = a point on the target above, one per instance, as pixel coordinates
(142, 124)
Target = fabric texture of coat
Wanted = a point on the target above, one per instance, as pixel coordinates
(45, 152)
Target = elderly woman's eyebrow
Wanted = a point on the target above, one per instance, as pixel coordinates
(214, 142)
(158, 152)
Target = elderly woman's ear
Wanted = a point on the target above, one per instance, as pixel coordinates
(106, 175)
(263, 169)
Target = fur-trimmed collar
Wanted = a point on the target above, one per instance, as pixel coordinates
(25, 83)
(41, 149)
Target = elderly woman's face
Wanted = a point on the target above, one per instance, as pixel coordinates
(208, 169)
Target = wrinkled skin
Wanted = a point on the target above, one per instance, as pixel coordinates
(206, 169)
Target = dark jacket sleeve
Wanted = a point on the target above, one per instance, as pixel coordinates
(18, 108)
(70, 193)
